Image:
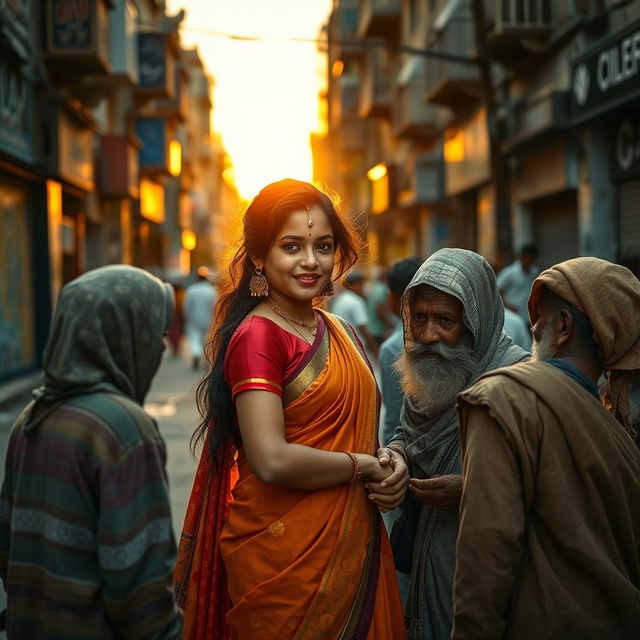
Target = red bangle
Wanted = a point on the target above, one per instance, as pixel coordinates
(356, 467)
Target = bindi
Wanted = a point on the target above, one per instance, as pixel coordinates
(309, 219)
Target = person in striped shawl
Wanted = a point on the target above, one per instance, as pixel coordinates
(86, 543)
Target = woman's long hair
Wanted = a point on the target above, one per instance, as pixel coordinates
(262, 221)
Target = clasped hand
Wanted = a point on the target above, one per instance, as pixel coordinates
(389, 492)
(438, 491)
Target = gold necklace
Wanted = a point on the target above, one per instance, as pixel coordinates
(312, 327)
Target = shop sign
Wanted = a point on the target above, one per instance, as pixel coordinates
(152, 60)
(607, 75)
(70, 24)
(626, 149)
(153, 136)
(14, 17)
(75, 151)
(16, 101)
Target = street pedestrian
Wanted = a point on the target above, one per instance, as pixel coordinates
(453, 318)
(300, 550)
(381, 320)
(550, 512)
(515, 280)
(86, 543)
(199, 303)
(399, 276)
(351, 306)
(176, 328)
(516, 328)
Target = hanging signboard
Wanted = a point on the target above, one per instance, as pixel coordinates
(608, 75)
(16, 105)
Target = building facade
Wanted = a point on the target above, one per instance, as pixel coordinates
(106, 155)
(525, 131)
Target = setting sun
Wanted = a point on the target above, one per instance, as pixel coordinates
(265, 96)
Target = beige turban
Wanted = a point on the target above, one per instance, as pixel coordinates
(609, 295)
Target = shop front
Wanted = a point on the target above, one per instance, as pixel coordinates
(625, 167)
(605, 108)
(24, 306)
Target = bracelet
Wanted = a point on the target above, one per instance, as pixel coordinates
(356, 467)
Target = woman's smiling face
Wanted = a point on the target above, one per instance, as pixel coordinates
(300, 262)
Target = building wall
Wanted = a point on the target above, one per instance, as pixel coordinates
(572, 171)
(72, 164)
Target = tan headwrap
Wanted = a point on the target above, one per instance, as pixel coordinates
(609, 295)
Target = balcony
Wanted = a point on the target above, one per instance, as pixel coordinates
(536, 117)
(77, 43)
(412, 118)
(343, 28)
(175, 107)
(379, 19)
(453, 84)
(350, 138)
(349, 97)
(375, 87)
(421, 180)
(520, 26)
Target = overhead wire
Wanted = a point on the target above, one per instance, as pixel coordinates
(350, 44)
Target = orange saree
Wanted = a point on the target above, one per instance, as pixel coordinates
(300, 564)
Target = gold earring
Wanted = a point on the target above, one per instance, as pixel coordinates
(258, 285)
(328, 289)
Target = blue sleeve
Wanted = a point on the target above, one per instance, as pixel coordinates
(391, 392)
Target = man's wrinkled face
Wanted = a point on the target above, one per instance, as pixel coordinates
(435, 316)
(440, 361)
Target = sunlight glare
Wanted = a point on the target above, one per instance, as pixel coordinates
(266, 93)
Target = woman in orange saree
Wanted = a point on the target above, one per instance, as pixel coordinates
(282, 541)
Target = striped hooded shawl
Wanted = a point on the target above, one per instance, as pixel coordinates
(85, 525)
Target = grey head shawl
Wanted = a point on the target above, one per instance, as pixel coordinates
(432, 442)
(106, 335)
(470, 278)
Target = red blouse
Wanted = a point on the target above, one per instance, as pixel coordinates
(262, 355)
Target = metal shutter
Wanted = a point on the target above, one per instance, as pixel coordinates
(630, 219)
(556, 229)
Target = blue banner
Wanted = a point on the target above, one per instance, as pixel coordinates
(153, 135)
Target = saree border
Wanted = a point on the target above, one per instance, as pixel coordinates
(361, 615)
(356, 341)
(310, 371)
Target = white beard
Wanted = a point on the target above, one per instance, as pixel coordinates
(434, 382)
(543, 349)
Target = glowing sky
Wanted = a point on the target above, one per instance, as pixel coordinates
(265, 98)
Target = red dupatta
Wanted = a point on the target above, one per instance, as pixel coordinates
(202, 593)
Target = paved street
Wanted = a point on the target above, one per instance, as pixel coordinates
(171, 402)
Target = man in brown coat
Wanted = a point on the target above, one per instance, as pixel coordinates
(550, 513)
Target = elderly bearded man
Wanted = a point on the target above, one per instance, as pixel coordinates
(453, 318)
(550, 513)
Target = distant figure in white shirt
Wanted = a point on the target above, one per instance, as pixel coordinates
(351, 306)
(515, 280)
(516, 329)
(199, 301)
